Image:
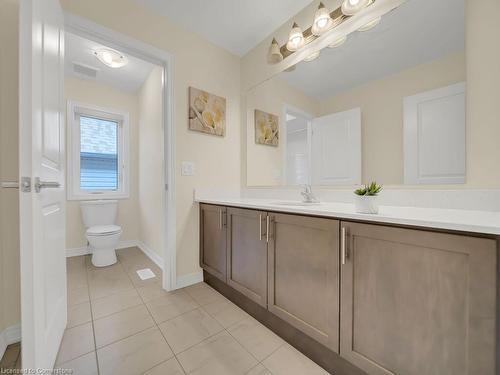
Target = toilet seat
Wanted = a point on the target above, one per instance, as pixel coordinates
(103, 230)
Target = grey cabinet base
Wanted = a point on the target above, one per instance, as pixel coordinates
(317, 352)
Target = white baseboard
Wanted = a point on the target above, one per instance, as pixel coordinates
(151, 254)
(189, 279)
(9, 335)
(78, 251)
(182, 281)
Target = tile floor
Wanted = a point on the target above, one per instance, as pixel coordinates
(11, 358)
(119, 324)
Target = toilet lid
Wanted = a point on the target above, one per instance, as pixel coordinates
(101, 230)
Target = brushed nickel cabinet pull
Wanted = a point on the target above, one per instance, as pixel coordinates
(342, 245)
(267, 228)
(260, 227)
(220, 218)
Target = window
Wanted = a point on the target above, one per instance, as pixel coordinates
(98, 152)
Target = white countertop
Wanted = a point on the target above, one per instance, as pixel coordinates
(484, 222)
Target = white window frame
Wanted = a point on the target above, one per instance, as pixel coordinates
(74, 111)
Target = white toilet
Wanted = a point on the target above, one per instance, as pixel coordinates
(99, 218)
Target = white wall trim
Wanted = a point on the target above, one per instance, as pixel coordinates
(9, 335)
(151, 254)
(84, 250)
(189, 279)
(126, 44)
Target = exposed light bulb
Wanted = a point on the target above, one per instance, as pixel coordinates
(274, 55)
(295, 39)
(351, 7)
(322, 20)
(370, 24)
(111, 58)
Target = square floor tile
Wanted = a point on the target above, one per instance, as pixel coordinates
(256, 338)
(153, 291)
(170, 367)
(104, 282)
(84, 365)
(115, 303)
(76, 342)
(220, 355)
(289, 361)
(189, 329)
(259, 370)
(122, 324)
(78, 314)
(77, 296)
(171, 305)
(77, 279)
(135, 354)
(203, 294)
(225, 312)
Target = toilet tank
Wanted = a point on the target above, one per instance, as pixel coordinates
(99, 212)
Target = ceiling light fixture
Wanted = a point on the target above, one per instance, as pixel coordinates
(338, 42)
(274, 55)
(351, 7)
(322, 21)
(312, 56)
(370, 24)
(295, 38)
(111, 58)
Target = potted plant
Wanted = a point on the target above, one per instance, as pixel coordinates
(366, 198)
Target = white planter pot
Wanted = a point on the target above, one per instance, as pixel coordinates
(366, 204)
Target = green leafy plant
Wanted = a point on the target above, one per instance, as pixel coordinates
(370, 189)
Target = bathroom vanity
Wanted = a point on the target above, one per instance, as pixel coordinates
(357, 293)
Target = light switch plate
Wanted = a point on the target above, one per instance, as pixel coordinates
(188, 168)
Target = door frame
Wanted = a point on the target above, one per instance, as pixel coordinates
(88, 29)
(287, 108)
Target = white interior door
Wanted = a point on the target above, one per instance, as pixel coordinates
(42, 211)
(336, 148)
(434, 136)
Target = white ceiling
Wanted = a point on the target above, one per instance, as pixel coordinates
(417, 32)
(128, 78)
(235, 25)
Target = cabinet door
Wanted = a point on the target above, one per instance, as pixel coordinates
(416, 302)
(304, 275)
(213, 240)
(247, 253)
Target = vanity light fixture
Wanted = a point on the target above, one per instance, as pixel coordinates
(274, 55)
(370, 24)
(322, 21)
(295, 38)
(338, 42)
(312, 56)
(111, 58)
(351, 7)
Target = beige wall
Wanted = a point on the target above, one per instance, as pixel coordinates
(271, 96)
(381, 104)
(96, 94)
(196, 63)
(151, 214)
(10, 294)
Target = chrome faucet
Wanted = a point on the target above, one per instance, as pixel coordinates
(308, 195)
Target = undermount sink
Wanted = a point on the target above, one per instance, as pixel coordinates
(296, 203)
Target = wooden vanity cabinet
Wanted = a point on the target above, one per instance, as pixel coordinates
(247, 253)
(213, 240)
(303, 275)
(417, 302)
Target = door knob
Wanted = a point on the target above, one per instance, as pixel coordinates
(39, 184)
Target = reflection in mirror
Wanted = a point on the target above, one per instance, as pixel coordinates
(388, 105)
